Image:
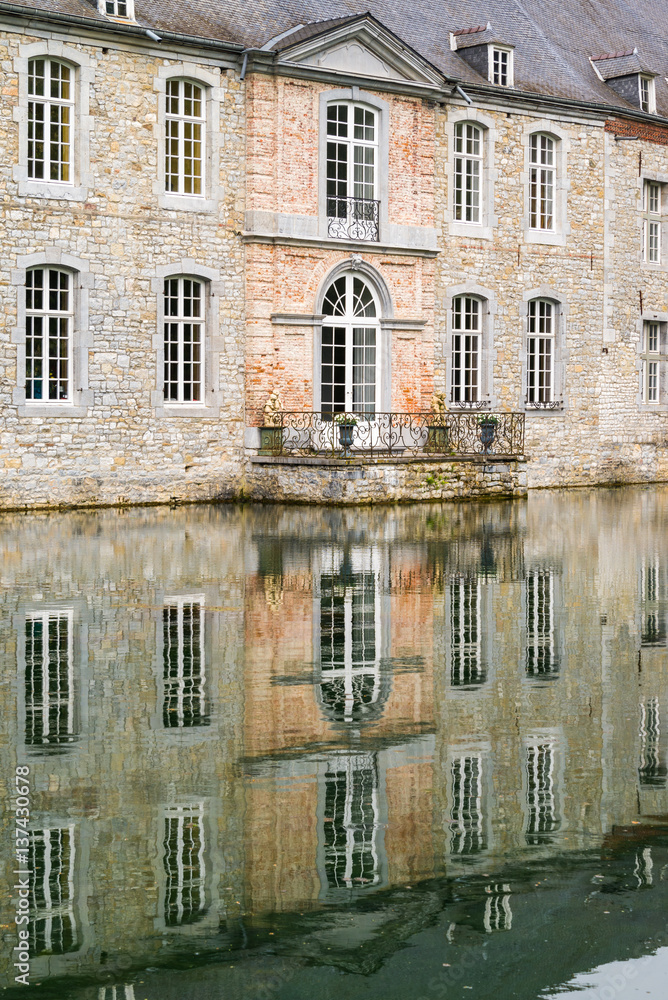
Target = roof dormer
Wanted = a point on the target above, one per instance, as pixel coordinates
(117, 10)
(486, 53)
(627, 76)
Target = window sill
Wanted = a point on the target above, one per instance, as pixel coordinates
(554, 406)
(471, 230)
(53, 191)
(545, 237)
(52, 410)
(186, 203)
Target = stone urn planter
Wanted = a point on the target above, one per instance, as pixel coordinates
(487, 429)
(346, 426)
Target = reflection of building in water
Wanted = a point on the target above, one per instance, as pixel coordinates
(467, 834)
(184, 864)
(541, 656)
(49, 706)
(498, 915)
(53, 924)
(654, 604)
(652, 770)
(466, 655)
(542, 809)
(125, 991)
(351, 833)
(644, 867)
(184, 677)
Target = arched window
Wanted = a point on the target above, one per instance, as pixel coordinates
(352, 157)
(542, 181)
(467, 331)
(468, 173)
(541, 351)
(48, 348)
(50, 119)
(184, 319)
(184, 138)
(349, 352)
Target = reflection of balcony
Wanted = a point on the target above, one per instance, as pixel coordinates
(366, 436)
(353, 219)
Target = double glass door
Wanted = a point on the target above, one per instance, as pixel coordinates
(349, 352)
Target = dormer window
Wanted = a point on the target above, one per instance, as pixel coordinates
(121, 9)
(501, 66)
(646, 84)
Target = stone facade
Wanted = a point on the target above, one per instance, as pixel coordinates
(267, 241)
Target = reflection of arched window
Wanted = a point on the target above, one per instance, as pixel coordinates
(652, 771)
(467, 668)
(53, 925)
(350, 341)
(466, 819)
(184, 865)
(542, 813)
(352, 823)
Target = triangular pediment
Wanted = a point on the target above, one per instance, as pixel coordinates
(360, 47)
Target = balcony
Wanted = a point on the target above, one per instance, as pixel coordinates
(364, 437)
(353, 219)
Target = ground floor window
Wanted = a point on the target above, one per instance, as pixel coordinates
(349, 352)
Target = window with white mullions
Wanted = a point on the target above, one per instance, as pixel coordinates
(468, 172)
(501, 67)
(119, 8)
(646, 94)
(183, 340)
(50, 708)
(352, 154)
(466, 663)
(542, 815)
(541, 181)
(466, 349)
(352, 822)
(466, 819)
(184, 138)
(50, 117)
(349, 359)
(652, 222)
(541, 660)
(654, 362)
(49, 313)
(53, 925)
(540, 351)
(184, 865)
(184, 676)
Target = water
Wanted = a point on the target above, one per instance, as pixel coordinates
(318, 754)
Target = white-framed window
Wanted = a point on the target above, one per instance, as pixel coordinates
(185, 127)
(184, 863)
(467, 666)
(541, 338)
(50, 120)
(351, 171)
(51, 862)
(542, 180)
(349, 354)
(542, 819)
(652, 221)
(501, 66)
(467, 832)
(184, 667)
(51, 722)
(541, 649)
(49, 312)
(467, 334)
(646, 94)
(121, 9)
(352, 823)
(654, 361)
(184, 305)
(468, 172)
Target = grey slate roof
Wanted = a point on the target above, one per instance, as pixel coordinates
(468, 39)
(619, 64)
(553, 39)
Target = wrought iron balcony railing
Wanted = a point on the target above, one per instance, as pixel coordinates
(361, 436)
(353, 219)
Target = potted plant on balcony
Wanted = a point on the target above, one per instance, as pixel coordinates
(437, 431)
(271, 432)
(487, 424)
(346, 423)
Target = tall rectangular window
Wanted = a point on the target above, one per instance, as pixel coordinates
(466, 824)
(654, 361)
(541, 181)
(184, 865)
(541, 659)
(49, 315)
(351, 824)
(466, 666)
(352, 154)
(53, 925)
(184, 674)
(466, 349)
(50, 117)
(50, 707)
(646, 94)
(183, 340)
(542, 818)
(652, 209)
(468, 172)
(501, 67)
(184, 138)
(540, 352)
